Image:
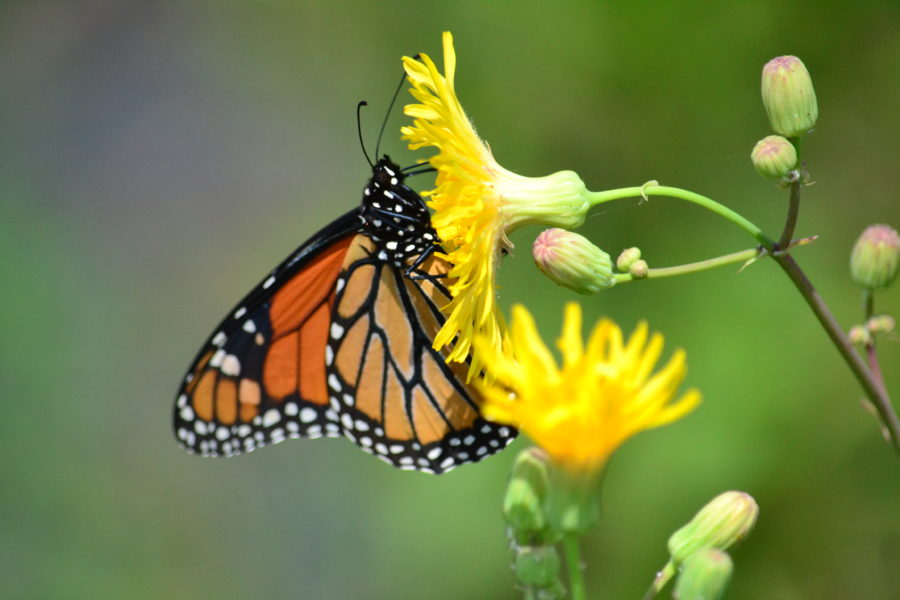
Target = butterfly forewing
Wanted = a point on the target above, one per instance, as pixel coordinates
(261, 377)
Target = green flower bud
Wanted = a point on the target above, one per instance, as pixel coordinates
(875, 259)
(523, 504)
(704, 576)
(859, 335)
(537, 566)
(789, 97)
(881, 324)
(639, 269)
(773, 157)
(571, 260)
(627, 258)
(726, 519)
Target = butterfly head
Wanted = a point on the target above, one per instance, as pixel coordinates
(395, 216)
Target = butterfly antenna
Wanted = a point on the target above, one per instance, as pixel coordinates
(359, 131)
(388, 113)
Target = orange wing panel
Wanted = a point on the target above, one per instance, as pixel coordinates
(280, 370)
(313, 338)
(300, 296)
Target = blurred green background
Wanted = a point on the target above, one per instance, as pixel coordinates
(157, 158)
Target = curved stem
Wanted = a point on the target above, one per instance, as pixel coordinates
(573, 563)
(866, 378)
(694, 267)
(707, 203)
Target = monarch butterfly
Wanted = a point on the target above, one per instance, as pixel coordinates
(336, 341)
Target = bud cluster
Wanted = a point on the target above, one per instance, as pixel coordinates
(537, 563)
(863, 335)
(790, 102)
(697, 550)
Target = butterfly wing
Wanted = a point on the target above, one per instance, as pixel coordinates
(396, 396)
(260, 378)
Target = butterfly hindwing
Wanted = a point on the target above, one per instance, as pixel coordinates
(397, 397)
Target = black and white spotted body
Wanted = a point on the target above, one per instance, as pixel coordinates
(395, 217)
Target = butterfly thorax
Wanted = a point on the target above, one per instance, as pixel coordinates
(395, 216)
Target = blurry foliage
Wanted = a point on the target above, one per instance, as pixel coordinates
(158, 157)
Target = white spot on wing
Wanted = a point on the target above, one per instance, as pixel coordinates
(271, 417)
(219, 338)
(336, 332)
(333, 383)
(231, 366)
(216, 359)
(249, 326)
(307, 415)
(268, 282)
(240, 312)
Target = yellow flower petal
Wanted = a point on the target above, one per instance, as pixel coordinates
(602, 395)
(476, 204)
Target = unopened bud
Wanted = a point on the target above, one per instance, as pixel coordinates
(773, 157)
(875, 259)
(789, 97)
(537, 566)
(726, 519)
(627, 258)
(881, 324)
(639, 269)
(523, 504)
(859, 335)
(704, 576)
(571, 260)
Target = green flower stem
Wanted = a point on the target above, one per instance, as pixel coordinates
(662, 578)
(573, 563)
(694, 267)
(707, 203)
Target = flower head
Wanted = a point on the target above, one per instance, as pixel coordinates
(604, 392)
(476, 202)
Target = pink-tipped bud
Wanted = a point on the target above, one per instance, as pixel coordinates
(875, 260)
(859, 335)
(571, 260)
(881, 324)
(639, 269)
(789, 97)
(773, 157)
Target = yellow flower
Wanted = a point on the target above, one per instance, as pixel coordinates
(604, 393)
(476, 203)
